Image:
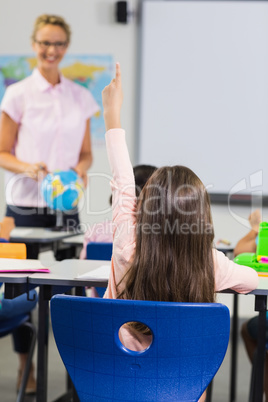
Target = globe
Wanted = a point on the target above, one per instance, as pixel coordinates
(62, 190)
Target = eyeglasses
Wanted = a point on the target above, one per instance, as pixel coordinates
(44, 44)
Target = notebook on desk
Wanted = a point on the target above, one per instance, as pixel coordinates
(10, 265)
(101, 273)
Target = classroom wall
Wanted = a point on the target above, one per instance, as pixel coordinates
(95, 31)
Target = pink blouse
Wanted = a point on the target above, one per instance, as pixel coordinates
(52, 123)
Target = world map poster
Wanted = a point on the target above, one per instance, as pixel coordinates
(93, 72)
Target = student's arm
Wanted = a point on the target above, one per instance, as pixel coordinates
(85, 157)
(248, 243)
(8, 136)
(124, 208)
(112, 99)
(122, 184)
(229, 275)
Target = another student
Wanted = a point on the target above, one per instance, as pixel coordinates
(103, 231)
(162, 244)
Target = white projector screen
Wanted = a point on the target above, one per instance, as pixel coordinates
(204, 91)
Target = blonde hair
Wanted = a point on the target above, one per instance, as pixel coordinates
(48, 19)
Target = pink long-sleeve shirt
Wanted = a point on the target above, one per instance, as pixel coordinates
(228, 275)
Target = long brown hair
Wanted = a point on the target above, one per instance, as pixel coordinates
(174, 235)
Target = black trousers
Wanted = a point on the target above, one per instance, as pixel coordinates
(42, 217)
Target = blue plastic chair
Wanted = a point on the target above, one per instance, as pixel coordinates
(100, 251)
(188, 347)
(7, 326)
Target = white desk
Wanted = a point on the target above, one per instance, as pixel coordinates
(38, 239)
(75, 240)
(66, 272)
(226, 249)
(40, 235)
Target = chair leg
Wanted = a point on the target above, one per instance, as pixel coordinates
(209, 392)
(25, 376)
(71, 390)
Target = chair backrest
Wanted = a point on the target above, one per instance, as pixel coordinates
(188, 347)
(13, 250)
(99, 251)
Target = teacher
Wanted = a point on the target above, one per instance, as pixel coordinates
(44, 126)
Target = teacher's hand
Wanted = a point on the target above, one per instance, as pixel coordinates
(36, 171)
(83, 174)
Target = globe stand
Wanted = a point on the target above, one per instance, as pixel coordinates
(59, 221)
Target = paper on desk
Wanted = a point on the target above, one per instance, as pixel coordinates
(20, 232)
(102, 272)
(9, 265)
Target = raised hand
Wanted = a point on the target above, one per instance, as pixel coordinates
(255, 219)
(112, 98)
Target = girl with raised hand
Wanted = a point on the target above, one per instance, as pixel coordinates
(162, 244)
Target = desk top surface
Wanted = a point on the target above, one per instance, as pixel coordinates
(66, 273)
(39, 235)
(63, 273)
(262, 289)
(74, 240)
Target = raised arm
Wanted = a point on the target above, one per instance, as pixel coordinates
(122, 184)
(248, 243)
(112, 99)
